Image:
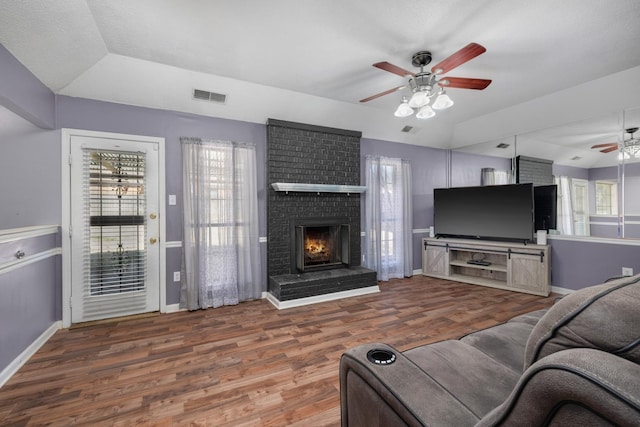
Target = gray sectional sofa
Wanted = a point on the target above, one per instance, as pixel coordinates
(573, 364)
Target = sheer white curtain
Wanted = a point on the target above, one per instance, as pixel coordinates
(221, 250)
(388, 217)
(565, 223)
(490, 176)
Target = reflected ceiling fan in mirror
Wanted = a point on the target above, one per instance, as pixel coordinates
(630, 148)
(426, 85)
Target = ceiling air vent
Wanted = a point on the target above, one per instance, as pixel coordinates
(209, 96)
(502, 145)
(407, 129)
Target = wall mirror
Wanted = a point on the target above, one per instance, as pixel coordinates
(595, 163)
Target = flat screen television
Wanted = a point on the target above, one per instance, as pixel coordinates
(545, 199)
(494, 212)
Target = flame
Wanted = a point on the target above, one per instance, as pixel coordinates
(315, 246)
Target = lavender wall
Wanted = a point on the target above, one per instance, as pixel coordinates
(109, 117)
(466, 168)
(22, 93)
(29, 295)
(428, 171)
(570, 171)
(30, 186)
(632, 190)
(576, 264)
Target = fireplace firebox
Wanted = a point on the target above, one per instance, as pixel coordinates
(321, 244)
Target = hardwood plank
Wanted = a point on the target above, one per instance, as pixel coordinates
(245, 365)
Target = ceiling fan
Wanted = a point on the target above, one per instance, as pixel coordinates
(426, 85)
(608, 147)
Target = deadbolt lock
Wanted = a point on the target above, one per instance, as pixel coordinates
(152, 216)
(153, 240)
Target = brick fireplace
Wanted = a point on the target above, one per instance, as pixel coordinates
(329, 219)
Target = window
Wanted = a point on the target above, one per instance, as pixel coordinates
(221, 252)
(116, 206)
(580, 203)
(388, 217)
(388, 180)
(606, 198)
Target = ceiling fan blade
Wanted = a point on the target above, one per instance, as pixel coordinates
(386, 92)
(393, 69)
(606, 144)
(465, 54)
(464, 83)
(610, 149)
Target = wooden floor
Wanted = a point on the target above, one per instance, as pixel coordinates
(246, 365)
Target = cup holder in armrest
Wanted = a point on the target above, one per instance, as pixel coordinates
(379, 356)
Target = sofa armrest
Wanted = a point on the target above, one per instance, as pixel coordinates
(573, 387)
(399, 393)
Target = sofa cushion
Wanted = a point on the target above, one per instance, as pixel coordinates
(603, 317)
(504, 343)
(532, 318)
(476, 380)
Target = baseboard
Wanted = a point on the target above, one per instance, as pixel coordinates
(417, 272)
(173, 308)
(23, 357)
(280, 305)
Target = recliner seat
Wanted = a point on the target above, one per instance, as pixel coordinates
(574, 364)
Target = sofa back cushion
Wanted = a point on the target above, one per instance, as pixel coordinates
(604, 317)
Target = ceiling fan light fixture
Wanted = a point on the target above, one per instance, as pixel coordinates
(425, 112)
(425, 84)
(442, 101)
(419, 99)
(403, 110)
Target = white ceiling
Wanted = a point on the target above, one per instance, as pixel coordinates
(311, 60)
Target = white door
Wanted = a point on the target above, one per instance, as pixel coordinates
(114, 227)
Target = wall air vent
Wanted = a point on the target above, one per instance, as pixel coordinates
(407, 129)
(502, 145)
(209, 96)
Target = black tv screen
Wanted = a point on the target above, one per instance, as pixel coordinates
(496, 212)
(545, 199)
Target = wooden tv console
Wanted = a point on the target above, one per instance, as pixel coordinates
(512, 266)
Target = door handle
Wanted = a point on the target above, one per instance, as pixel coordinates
(152, 216)
(153, 240)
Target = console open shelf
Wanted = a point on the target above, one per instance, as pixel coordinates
(491, 267)
(513, 266)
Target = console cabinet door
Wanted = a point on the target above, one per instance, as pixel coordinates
(528, 273)
(435, 261)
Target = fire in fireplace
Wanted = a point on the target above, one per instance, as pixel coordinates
(320, 246)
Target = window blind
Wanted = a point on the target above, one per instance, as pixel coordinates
(115, 262)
